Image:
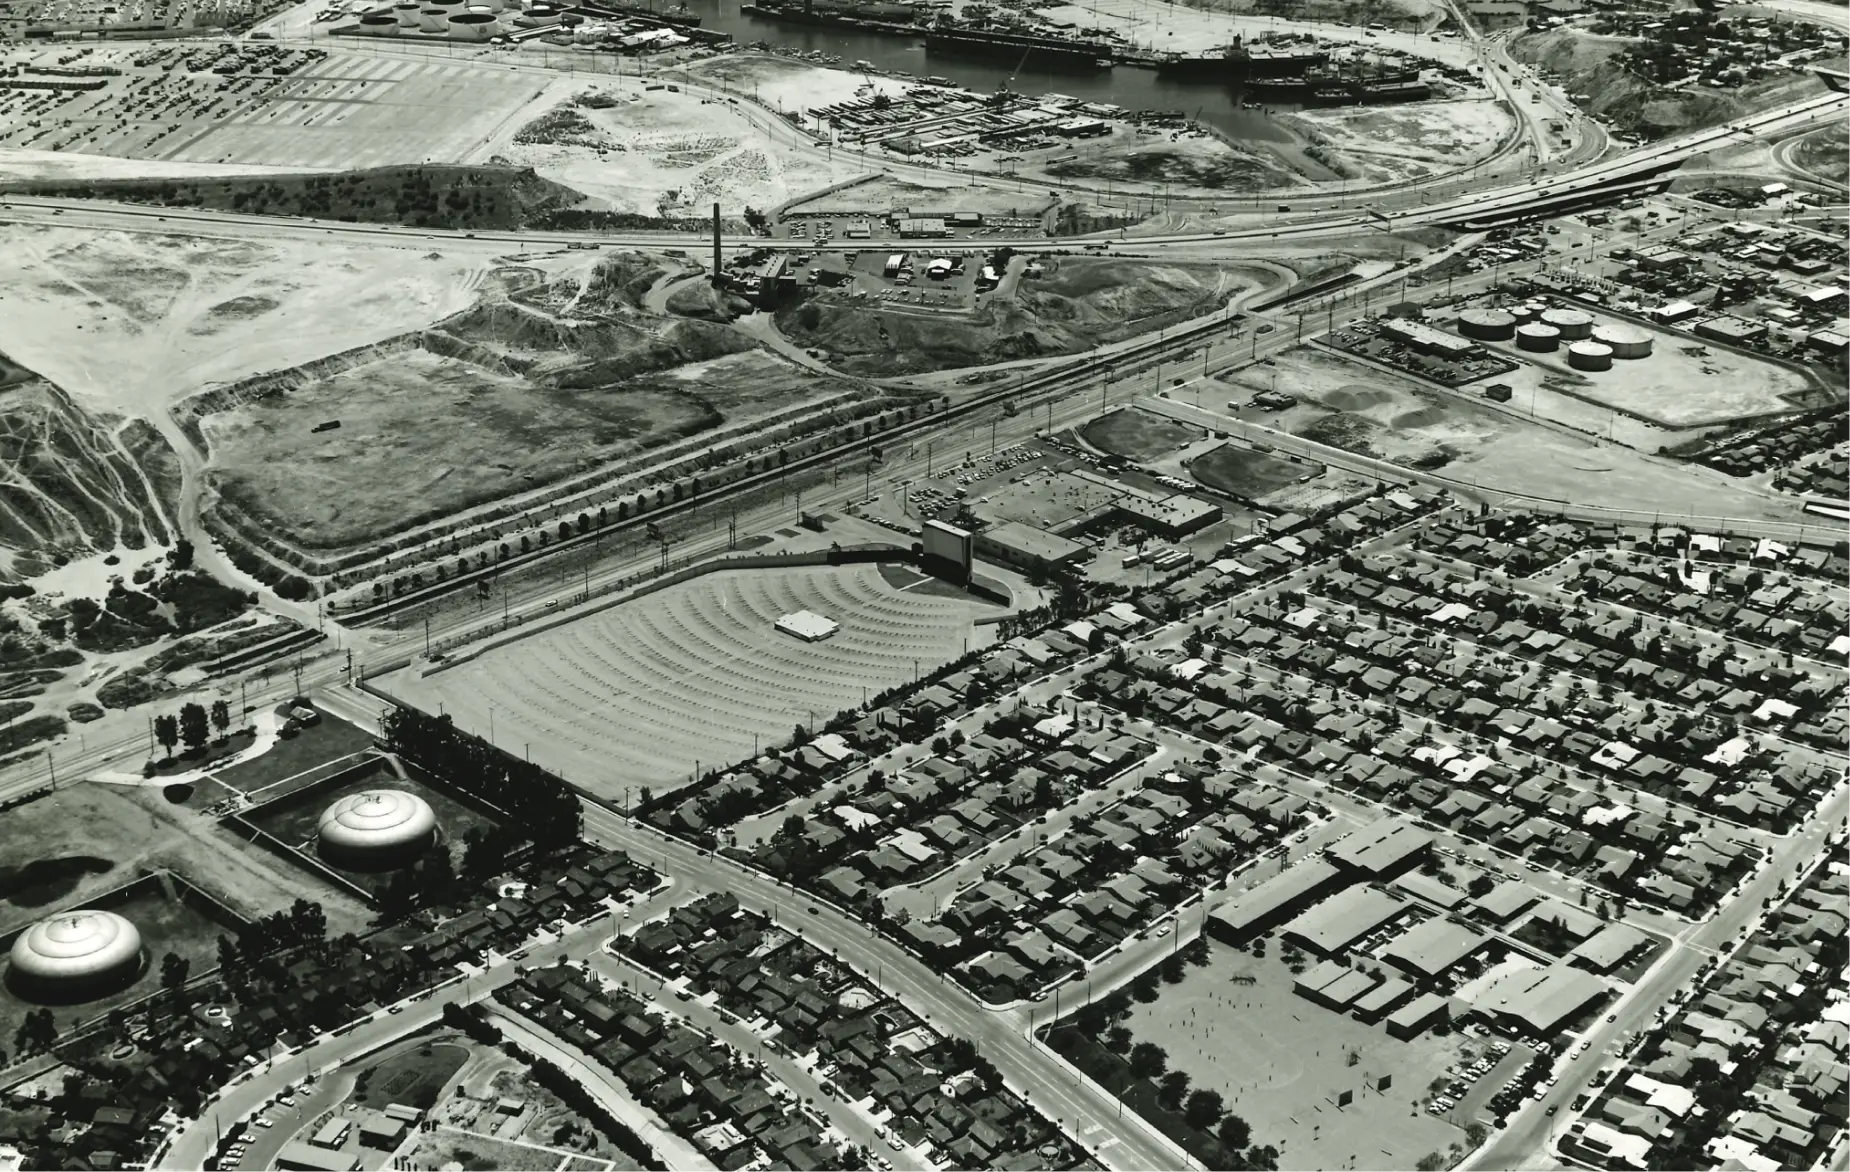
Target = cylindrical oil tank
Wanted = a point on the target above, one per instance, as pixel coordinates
(1522, 313)
(491, 5)
(472, 26)
(432, 19)
(1573, 324)
(379, 24)
(480, 10)
(538, 16)
(1487, 325)
(1589, 356)
(1537, 337)
(407, 15)
(1626, 341)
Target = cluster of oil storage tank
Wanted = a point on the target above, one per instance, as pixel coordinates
(1541, 330)
(460, 20)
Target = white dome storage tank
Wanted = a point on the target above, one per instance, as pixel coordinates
(1537, 337)
(1627, 342)
(1573, 324)
(76, 956)
(1487, 325)
(1589, 356)
(377, 829)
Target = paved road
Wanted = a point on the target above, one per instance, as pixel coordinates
(249, 1093)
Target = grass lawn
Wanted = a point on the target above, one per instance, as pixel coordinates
(413, 1075)
(1245, 474)
(1280, 1062)
(1139, 435)
(315, 745)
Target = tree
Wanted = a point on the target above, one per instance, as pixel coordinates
(1204, 1110)
(180, 557)
(174, 969)
(436, 877)
(221, 717)
(1481, 885)
(1431, 1162)
(167, 732)
(1234, 1133)
(1148, 1060)
(1171, 1089)
(309, 922)
(194, 725)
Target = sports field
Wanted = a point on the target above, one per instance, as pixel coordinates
(1280, 1062)
(634, 695)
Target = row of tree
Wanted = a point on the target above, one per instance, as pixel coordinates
(193, 726)
(545, 809)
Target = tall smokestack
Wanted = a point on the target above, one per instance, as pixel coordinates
(716, 269)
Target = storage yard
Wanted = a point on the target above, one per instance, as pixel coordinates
(262, 105)
(701, 666)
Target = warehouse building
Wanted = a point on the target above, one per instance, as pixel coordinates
(1425, 339)
(1333, 925)
(1432, 949)
(1506, 901)
(1383, 849)
(1608, 948)
(1171, 517)
(1026, 548)
(1732, 330)
(1539, 1002)
(1276, 900)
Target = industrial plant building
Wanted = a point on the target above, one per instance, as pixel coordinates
(1026, 548)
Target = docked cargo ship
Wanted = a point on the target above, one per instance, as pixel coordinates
(1238, 64)
(1334, 86)
(872, 15)
(1058, 52)
(620, 9)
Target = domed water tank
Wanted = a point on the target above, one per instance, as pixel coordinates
(378, 828)
(76, 955)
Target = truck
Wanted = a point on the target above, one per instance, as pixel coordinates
(894, 263)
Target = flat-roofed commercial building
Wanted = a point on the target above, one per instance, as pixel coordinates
(1382, 849)
(1430, 950)
(1028, 548)
(1539, 1001)
(1412, 1019)
(1274, 901)
(1336, 923)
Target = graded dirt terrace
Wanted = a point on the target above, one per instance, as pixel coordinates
(1387, 143)
(654, 153)
(497, 402)
(636, 694)
(129, 323)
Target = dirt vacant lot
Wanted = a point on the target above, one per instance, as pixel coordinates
(1245, 474)
(500, 401)
(1138, 435)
